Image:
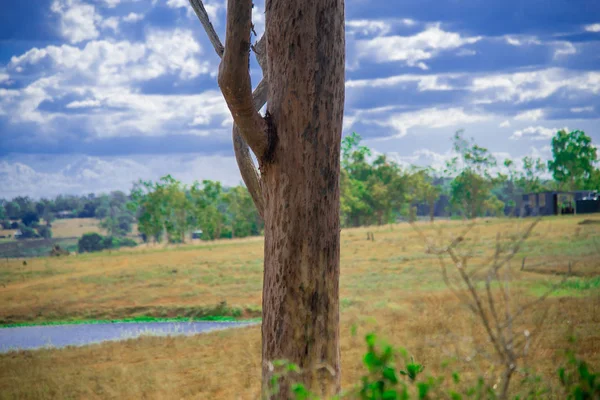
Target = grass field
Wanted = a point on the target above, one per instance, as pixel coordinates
(65, 233)
(391, 285)
(68, 227)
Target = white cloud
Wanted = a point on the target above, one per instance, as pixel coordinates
(83, 104)
(582, 109)
(4, 77)
(527, 86)
(424, 158)
(522, 40)
(425, 82)
(110, 23)
(133, 17)
(430, 118)
(102, 75)
(212, 7)
(76, 174)
(111, 63)
(176, 50)
(111, 3)
(564, 49)
(535, 133)
(412, 49)
(593, 28)
(177, 3)
(530, 115)
(466, 52)
(368, 27)
(77, 20)
(505, 124)
(258, 18)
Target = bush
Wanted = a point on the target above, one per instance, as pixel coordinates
(108, 242)
(126, 242)
(90, 242)
(392, 374)
(5, 224)
(44, 231)
(30, 218)
(14, 225)
(27, 233)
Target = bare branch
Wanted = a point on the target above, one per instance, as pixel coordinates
(234, 78)
(245, 163)
(210, 31)
(260, 49)
(247, 168)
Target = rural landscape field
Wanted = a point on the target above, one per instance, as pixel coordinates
(300, 199)
(390, 285)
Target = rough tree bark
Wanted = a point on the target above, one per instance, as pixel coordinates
(297, 145)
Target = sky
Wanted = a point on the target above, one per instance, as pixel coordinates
(96, 94)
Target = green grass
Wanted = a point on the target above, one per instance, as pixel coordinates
(136, 314)
(582, 284)
(572, 287)
(141, 319)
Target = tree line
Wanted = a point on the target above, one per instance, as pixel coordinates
(374, 191)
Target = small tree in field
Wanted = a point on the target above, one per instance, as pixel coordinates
(573, 160)
(471, 187)
(296, 190)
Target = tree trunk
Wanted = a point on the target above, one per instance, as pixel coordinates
(431, 210)
(305, 47)
(297, 145)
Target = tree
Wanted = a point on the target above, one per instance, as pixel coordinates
(243, 219)
(208, 215)
(147, 202)
(13, 210)
(529, 181)
(573, 160)
(27, 232)
(297, 145)
(30, 218)
(162, 207)
(44, 231)
(90, 242)
(355, 195)
(472, 185)
(594, 181)
(423, 190)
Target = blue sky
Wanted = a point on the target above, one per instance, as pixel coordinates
(95, 94)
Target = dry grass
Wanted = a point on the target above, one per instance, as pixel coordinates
(389, 285)
(75, 227)
(67, 228)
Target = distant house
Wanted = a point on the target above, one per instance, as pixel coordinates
(555, 203)
(197, 234)
(17, 234)
(65, 214)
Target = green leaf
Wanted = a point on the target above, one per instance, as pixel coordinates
(390, 375)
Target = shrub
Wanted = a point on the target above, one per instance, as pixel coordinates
(108, 242)
(126, 242)
(392, 374)
(5, 224)
(44, 231)
(30, 218)
(90, 242)
(27, 232)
